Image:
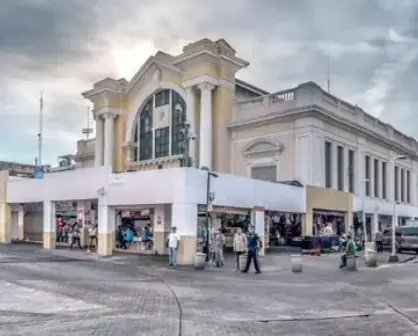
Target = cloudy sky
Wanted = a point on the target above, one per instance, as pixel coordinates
(61, 47)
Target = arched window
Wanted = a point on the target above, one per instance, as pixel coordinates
(177, 123)
(160, 120)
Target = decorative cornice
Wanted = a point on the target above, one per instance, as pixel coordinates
(276, 147)
(107, 112)
(200, 80)
(206, 86)
(150, 62)
(319, 112)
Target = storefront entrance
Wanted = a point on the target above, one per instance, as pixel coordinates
(284, 229)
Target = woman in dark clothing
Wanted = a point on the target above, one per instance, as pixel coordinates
(120, 238)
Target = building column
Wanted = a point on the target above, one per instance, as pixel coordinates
(50, 226)
(307, 224)
(98, 152)
(348, 221)
(375, 226)
(205, 134)
(161, 227)
(5, 223)
(258, 221)
(191, 119)
(21, 222)
(108, 139)
(184, 218)
(334, 166)
(5, 210)
(107, 225)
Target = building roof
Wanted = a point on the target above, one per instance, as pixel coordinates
(250, 87)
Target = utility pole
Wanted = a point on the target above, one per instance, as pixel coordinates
(41, 126)
(87, 130)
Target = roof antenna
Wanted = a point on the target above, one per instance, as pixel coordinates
(41, 125)
(88, 130)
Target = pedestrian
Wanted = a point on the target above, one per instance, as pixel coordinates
(173, 242)
(350, 250)
(92, 237)
(219, 242)
(379, 241)
(240, 243)
(120, 238)
(75, 236)
(253, 245)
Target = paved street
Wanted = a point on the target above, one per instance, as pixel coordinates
(76, 293)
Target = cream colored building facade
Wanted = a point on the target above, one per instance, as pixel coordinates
(242, 132)
(302, 133)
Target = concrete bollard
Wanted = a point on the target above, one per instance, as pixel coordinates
(351, 263)
(371, 258)
(296, 263)
(199, 261)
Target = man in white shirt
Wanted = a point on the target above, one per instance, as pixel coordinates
(173, 242)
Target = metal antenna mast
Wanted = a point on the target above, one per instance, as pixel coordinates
(87, 131)
(41, 126)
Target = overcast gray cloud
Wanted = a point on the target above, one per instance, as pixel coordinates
(61, 47)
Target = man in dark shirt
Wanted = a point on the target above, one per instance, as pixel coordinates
(253, 244)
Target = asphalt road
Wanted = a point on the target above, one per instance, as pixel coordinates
(72, 293)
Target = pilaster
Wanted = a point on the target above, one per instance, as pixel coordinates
(184, 218)
(98, 152)
(206, 125)
(21, 222)
(161, 227)
(49, 241)
(106, 227)
(258, 221)
(108, 138)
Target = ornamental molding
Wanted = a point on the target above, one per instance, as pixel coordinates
(267, 146)
(134, 165)
(205, 79)
(106, 112)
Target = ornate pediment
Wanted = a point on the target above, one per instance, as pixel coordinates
(262, 146)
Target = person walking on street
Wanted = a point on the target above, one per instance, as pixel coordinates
(379, 241)
(253, 245)
(219, 242)
(75, 236)
(92, 237)
(350, 250)
(240, 243)
(173, 242)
